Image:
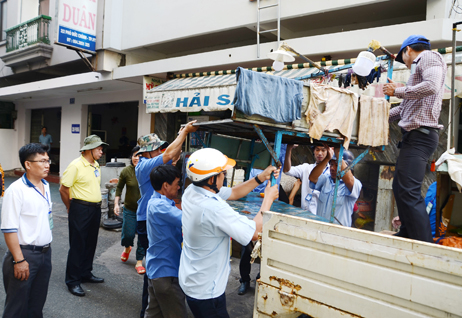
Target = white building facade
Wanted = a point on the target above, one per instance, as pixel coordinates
(43, 83)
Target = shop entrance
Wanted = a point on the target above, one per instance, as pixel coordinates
(117, 125)
(51, 119)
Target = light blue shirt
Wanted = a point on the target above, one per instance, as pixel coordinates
(345, 199)
(142, 171)
(163, 224)
(309, 196)
(208, 223)
(46, 140)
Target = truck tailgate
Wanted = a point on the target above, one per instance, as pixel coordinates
(326, 270)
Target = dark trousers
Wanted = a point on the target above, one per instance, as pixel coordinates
(26, 298)
(244, 264)
(84, 224)
(129, 231)
(208, 308)
(410, 169)
(166, 299)
(143, 240)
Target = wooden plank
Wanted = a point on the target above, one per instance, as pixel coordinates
(384, 210)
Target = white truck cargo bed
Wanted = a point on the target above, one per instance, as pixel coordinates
(326, 270)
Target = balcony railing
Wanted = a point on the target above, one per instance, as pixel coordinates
(28, 33)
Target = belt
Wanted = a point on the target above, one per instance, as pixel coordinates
(426, 130)
(86, 202)
(42, 249)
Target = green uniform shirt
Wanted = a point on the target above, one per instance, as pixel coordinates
(127, 177)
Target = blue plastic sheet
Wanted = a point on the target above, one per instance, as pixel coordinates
(270, 96)
(251, 203)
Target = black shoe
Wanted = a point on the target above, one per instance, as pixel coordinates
(93, 279)
(243, 288)
(76, 290)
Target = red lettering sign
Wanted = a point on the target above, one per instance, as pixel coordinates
(79, 16)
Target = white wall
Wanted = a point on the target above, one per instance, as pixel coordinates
(75, 114)
(160, 21)
(71, 143)
(144, 120)
(338, 45)
(9, 158)
(29, 9)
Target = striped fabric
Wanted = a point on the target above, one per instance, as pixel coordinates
(224, 80)
(294, 71)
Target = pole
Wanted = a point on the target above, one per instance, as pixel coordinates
(258, 29)
(453, 82)
(279, 23)
(337, 182)
(389, 74)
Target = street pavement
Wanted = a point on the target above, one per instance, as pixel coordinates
(120, 294)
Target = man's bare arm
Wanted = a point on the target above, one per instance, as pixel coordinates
(21, 270)
(65, 196)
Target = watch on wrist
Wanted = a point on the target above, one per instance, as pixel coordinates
(258, 180)
(23, 260)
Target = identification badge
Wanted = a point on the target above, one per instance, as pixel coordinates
(413, 67)
(50, 220)
(429, 207)
(97, 173)
(309, 196)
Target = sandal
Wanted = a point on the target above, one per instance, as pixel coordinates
(124, 256)
(140, 269)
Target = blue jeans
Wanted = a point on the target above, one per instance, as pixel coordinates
(208, 308)
(129, 231)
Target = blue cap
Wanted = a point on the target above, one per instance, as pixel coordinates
(413, 39)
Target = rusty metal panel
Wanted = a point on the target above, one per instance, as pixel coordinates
(355, 272)
(277, 303)
(385, 207)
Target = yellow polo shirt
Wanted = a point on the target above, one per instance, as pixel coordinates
(83, 180)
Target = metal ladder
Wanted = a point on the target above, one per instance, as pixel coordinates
(278, 29)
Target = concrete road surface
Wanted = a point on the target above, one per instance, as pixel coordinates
(120, 295)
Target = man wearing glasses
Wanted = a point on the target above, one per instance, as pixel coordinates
(81, 194)
(26, 224)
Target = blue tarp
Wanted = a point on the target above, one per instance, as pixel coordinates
(270, 96)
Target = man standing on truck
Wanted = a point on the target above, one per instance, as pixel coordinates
(348, 189)
(208, 223)
(309, 197)
(418, 113)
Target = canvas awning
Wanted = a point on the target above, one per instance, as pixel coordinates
(216, 92)
(209, 93)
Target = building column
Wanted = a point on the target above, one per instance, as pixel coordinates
(71, 142)
(144, 120)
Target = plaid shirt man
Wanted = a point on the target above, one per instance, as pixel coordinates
(423, 94)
